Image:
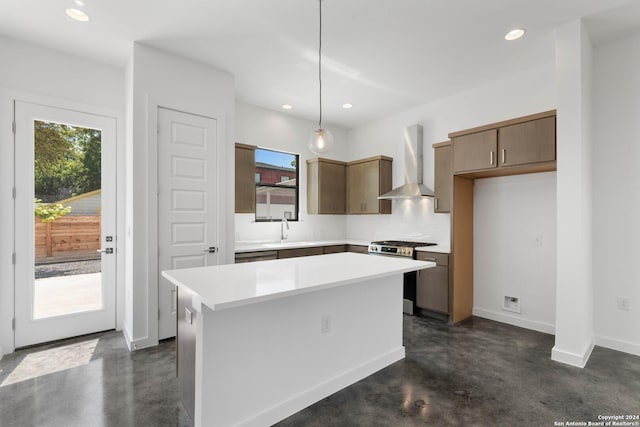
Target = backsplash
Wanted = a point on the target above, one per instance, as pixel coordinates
(412, 219)
(310, 227)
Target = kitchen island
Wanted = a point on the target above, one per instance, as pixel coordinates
(269, 338)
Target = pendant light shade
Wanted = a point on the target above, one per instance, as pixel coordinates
(321, 140)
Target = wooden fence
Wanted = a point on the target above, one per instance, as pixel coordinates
(66, 237)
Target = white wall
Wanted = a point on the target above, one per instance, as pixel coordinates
(574, 290)
(616, 205)
(515, 249)
(522, 94)
(271, 129)
(40, 75)
(156, 78)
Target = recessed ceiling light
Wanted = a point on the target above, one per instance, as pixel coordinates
(79, 3)
(515, 34)
(77, 14)
(347, 105)
(287, 106)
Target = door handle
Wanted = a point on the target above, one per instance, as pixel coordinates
(105, 251)
(211, 250)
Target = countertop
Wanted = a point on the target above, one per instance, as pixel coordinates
(274, 246)
(233, 285)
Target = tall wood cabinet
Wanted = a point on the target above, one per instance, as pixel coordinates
(443, 177)
(245, 178)
(326, 186)
(517, 146)
(366, 180)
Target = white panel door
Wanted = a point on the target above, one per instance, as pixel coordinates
(187, 202)
(53, 300)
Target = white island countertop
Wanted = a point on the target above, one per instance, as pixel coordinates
(233, 285)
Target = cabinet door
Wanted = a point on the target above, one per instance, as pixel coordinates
(371, 190)
(245, 179)
(528, 142)
(355, 187)
(443, 179)
(476, 151)
(332, 188)
(432, 289)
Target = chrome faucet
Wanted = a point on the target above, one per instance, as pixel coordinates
(283, 237)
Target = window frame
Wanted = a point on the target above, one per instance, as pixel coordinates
(296, 187)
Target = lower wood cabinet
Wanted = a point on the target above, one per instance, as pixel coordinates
(293, 253)
(255, 256)
(432, 284)
(359, 249)
(334, 249)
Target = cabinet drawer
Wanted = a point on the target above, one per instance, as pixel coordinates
(359, 249)
(334, 249)
(438, 258)
(255, 256)
(293, 253)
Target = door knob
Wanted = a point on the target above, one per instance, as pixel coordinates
(105, 251)
(211, 250)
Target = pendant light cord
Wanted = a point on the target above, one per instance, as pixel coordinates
(320, 64)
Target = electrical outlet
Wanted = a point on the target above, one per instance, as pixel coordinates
(624, 303)
(326, 324)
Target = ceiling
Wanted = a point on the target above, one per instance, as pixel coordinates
(383, 56)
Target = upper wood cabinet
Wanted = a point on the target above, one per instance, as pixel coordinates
(476, 151)
(245, 178)
(443, 177)
(366, 180)
(326, 186)
(522, 145)
(528, 142)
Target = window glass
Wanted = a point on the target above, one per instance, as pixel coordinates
(276, 185)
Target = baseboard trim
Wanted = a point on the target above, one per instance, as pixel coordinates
(573, 359)
(515, 321)
(138, 344)
(618, 345)
(312, 395)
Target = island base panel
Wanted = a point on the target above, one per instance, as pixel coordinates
(258, 364)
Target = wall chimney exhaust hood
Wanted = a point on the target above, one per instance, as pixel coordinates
(413, 168)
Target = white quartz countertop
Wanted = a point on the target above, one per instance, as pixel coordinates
(233, 285)
(274, 246)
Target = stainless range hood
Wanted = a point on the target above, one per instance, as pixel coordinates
(413, 168)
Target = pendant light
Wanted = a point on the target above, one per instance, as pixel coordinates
(321, 140)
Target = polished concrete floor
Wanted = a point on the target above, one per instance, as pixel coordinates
(481, 373)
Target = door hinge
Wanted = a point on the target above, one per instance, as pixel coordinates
(13, 258)
(13, 127)
(13, 193)
(13, 324)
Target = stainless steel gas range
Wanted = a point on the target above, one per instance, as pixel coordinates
(403, 249)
